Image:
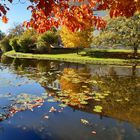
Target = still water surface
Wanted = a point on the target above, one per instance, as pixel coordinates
(52, 100)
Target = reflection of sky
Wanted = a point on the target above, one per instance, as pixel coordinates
(7, 79)
(12, 85)
(66, 125)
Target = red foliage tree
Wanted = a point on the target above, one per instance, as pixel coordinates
(74, 13)
(125, 8)
(3, 11)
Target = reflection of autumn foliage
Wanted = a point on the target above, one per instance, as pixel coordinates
(75, 86)
(123, 99)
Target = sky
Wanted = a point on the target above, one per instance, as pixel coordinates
(18, 13)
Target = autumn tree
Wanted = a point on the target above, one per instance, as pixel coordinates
(117, 8)
(76, 39)
(46, 14)
(72, 13)
(121, 32)
(3, 9)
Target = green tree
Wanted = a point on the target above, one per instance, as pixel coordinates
(46, 40)
(121, 32)
(4, 44)
(27, 41)
(1, 35)
(16, 30)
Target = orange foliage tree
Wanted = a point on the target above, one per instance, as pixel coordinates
(73, 13)
(46, 14)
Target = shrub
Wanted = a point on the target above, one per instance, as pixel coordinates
(14, 44)
(49, 37)
(45, 40)
(26, 43)
(42, 46)
(4, 44)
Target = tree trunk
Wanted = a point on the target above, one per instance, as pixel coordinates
(135, 52)
(77, 50)
(134, 70)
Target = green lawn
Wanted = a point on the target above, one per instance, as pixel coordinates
(73, 57)
(112, 50)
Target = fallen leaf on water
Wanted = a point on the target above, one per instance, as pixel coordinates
(52, 109)
(51, 100)
(46, 117)
(98, 109)
(62, 105)
(93, 132)
(84, 121)
(59, 111)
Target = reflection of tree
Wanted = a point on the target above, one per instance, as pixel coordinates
(134, 68)
(75, 86)
(5, 60)
(43, 72)
(123, 100)
(79, 88)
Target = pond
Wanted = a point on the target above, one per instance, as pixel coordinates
(52, 100)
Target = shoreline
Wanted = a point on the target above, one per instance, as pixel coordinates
(73, 57)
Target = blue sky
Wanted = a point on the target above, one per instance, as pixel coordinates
(17, 14)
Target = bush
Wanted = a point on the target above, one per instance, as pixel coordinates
(42, 46)
(4, 44)
(45, 40)
(26, 43)
(14, 44)
(49, 37)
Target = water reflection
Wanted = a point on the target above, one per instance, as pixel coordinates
(75, 86)
(83, 87)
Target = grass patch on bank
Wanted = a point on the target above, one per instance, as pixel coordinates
(73, 57)
(111, 50)
(114, 54)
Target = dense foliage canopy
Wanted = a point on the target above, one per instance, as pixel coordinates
(72, 13)
(79, 39)
(121, 32)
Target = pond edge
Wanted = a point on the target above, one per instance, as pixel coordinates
(73, 57)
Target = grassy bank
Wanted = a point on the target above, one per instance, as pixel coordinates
(70, 58)
(111, 50)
